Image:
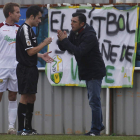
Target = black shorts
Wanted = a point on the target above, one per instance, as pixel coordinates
(27, 79)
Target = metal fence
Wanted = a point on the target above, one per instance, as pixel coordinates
(126, 109)
(65, 110)
(58, 110)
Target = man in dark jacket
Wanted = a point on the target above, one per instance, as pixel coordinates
(83, 44)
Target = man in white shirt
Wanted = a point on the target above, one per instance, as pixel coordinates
(8, 63)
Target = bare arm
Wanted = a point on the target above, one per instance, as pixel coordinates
(35, 50)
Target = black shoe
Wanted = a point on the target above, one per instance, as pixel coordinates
(102, 128)
(33, 132)
(91, 134)
(24, 132)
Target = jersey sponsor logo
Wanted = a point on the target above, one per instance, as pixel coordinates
(1, 80)
(5, 30)
(56, 69)
(8, 39)
(28, 43)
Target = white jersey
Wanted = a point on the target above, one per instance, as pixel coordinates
(8, 46)
(8, 61)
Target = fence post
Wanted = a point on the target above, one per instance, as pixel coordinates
(107, 111)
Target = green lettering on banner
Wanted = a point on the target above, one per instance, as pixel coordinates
(129, 78)
(108, 80)
(122, 69)
(124, 51)
(121, 23)
(72, 70)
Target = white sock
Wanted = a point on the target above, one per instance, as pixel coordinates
(12, 113)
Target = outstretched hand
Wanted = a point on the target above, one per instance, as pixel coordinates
(47, 58)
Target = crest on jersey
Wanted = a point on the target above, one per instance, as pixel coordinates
(56, 69)
(28, 43)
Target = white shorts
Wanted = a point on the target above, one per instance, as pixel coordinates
(8, 80)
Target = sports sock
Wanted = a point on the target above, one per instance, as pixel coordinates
(12, 113)
(21, 115)
(29, 115)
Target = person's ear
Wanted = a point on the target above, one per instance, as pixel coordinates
(10, 13)
(32, 17)
(82, 23)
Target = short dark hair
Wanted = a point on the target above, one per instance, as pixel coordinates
(33, 10)
(9, 7)
(82, 17)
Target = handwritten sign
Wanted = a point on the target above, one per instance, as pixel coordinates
(117, 35)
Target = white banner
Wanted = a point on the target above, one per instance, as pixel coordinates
(116, 32)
